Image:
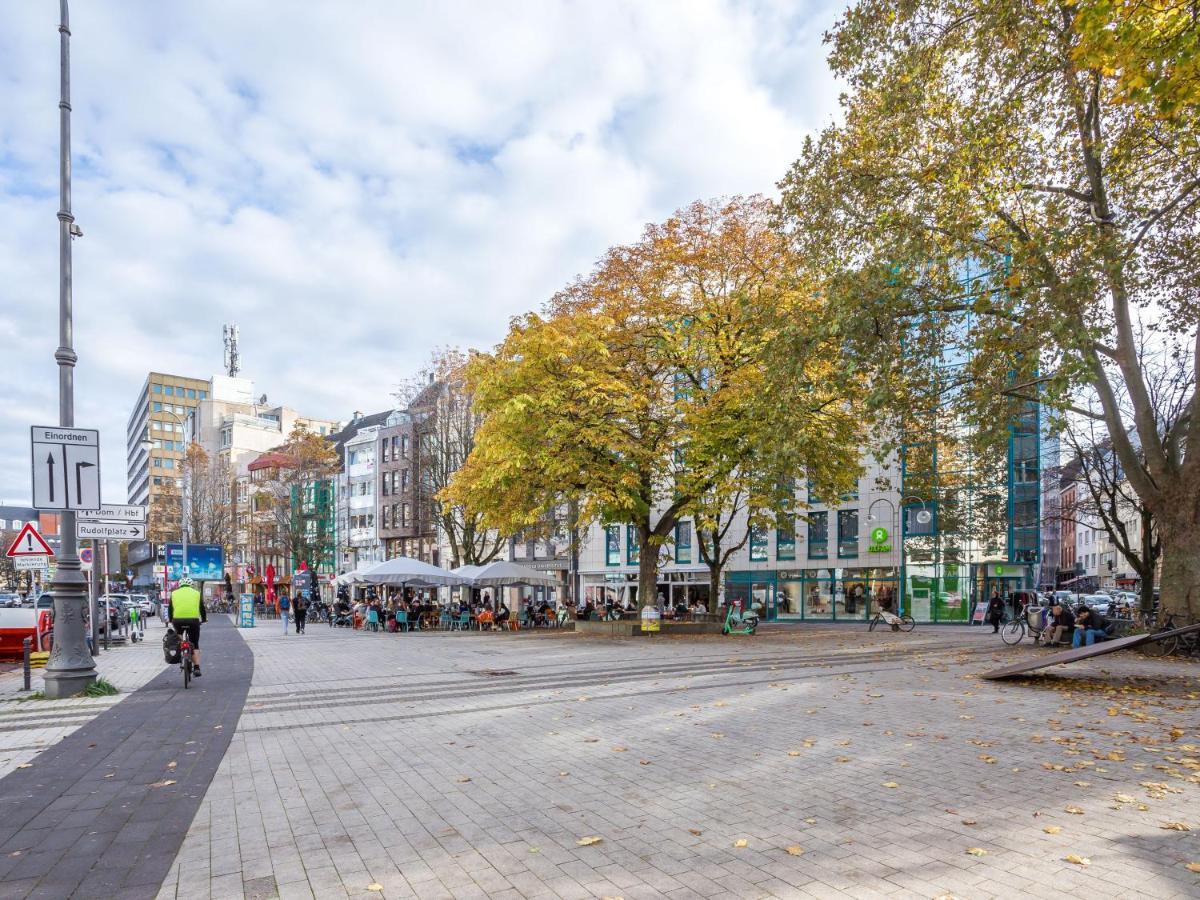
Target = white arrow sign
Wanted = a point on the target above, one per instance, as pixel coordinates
(111, 531)
(66, 467)
(112, 512)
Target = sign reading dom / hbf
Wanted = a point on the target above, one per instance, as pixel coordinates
(206, 562)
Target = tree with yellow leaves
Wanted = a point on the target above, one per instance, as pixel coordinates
(652, 390)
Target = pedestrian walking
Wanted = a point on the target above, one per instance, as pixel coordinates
(301, 604)
(995, 611)
(284, 609)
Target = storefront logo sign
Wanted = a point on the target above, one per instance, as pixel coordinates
(879, 541)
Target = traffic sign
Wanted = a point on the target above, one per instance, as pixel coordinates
(29, 542)
(112, 512)
(31, 563)
(66, 467)
(111, 531)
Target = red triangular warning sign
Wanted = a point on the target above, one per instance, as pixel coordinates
(29, 543)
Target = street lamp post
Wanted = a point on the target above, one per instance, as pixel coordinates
(70, 668)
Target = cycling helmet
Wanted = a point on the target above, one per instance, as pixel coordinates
(185, 581)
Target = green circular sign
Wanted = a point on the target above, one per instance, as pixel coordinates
(879, 535)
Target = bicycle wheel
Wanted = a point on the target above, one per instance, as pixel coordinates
(187, 673)
(874, 622)
(1155, 649)
(909, 623)
(1012, 633)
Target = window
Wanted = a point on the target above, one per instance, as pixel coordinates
(404, 479)
(156, 462)
(612, 545)
(633, 549)
(812, 495)
(683, 543)
(168, 463)
(404, 446)
(404, 515)
(204, 396)
(758, 543)
(169, 391)
(785, 543)
(157, 406)
(818, 535)
(157, 388)
(191, 393)
(385, 485)
(847, 533)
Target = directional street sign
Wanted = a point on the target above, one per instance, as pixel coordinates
(111, 531)
(66, 467)
(29, 542)
(31, 563)
(112, 512)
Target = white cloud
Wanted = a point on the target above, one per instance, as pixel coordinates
(355, 184)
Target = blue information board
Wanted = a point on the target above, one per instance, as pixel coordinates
(246, 617)
(206, 562)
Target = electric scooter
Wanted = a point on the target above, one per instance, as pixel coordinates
(738, 621)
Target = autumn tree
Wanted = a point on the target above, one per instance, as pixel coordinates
(1001, 195)
(642, 393)
(164, 520)
(210, 497)
(298, 466)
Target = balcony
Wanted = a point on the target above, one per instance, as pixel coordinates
(366, 501)
(360, 470)
(362, 535)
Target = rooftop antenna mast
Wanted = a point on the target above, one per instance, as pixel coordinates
(233, 362)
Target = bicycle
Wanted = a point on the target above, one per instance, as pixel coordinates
(905, 623)
(1179, 645)
(185, 659)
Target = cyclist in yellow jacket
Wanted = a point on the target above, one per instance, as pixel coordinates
(186, 611)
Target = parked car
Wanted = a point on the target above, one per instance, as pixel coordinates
(146, 604)
(1098, 602)
(10, 601)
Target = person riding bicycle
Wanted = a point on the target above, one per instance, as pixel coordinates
(185, 610)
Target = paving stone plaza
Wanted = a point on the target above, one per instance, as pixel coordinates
(798, 763)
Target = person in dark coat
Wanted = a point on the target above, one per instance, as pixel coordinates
(995, 611)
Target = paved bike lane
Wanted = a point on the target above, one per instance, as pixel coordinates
(104, 812)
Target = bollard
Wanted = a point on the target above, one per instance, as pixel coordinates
(26, 646)
(107, 627)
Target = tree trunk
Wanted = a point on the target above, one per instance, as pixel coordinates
(647, 569)
(1180, 587)
(714, 586)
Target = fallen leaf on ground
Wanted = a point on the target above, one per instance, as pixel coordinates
(644, 762)
(1193, 867)
(843, 759)
(890, 784)
(795, 851)
(25, 766)
(1176, 826)
(463, 780)
(1052, 829)
(563, 774)
(589, 841)
(810, 821)
(990, 760)
(793, 753)
(741, 842)
(172, 764)
(1124, 798)
(619, 749)
(375, 886)
(976, 851)
(969, 822)
(1074, 810)
(1083, 784)
(717, 734)
(1077, 860)
(162, 783)
(695, 831)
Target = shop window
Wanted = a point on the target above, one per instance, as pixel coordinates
(818, 535)
(633, 549)
(847, 533)
(785, 543)
(758, 543)
(612, 545)
(683, 543)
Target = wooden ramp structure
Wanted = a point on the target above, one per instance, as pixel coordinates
(1078, 653)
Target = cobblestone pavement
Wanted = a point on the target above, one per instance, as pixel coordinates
(28, 726)
(797, 764)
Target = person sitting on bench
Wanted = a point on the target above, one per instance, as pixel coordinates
(1090, 627)
(1060, 624)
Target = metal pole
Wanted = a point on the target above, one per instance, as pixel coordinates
(94, 605)
(71, 668)
(26, 646)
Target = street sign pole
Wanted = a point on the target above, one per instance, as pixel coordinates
(70, 668)
(94, 605)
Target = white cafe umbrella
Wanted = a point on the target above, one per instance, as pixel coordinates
(404, 571)
(500, 573)
(355, 575)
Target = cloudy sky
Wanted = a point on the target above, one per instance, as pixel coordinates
(355, 183)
